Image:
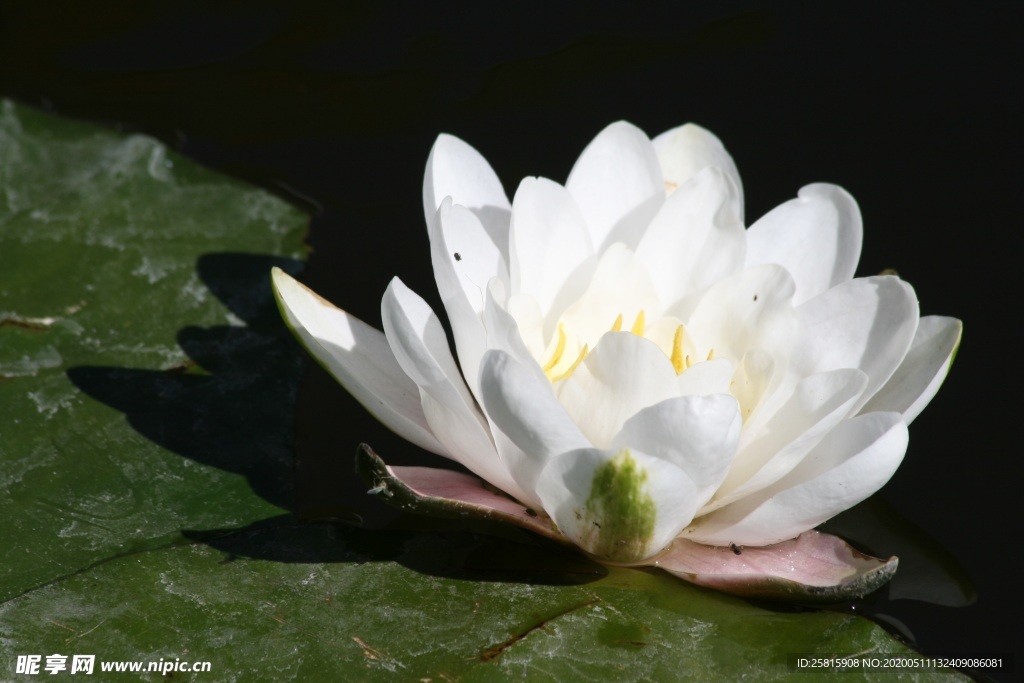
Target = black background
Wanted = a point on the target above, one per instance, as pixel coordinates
(913, 108)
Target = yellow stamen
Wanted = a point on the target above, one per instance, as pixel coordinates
(711, 354)
(677, 351)
(559, 350)
(572, 368)
(638, 325)
(687, 362)
(617, 325)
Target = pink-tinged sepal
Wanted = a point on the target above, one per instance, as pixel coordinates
(445, 493)
(813, 567)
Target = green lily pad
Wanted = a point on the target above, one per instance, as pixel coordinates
(280, 601)
(134, 314)
(145, 466)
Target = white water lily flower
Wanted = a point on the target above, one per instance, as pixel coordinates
(645, 377)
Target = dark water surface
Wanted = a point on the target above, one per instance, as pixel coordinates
(916, 112)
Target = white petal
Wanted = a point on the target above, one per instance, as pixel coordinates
(456, 170)
(549, 241)
(684, 151)
(464, 261)
(697, 434)
(503, 331)
(464, 248)
(503, 335)
(756, 371)
(922, 371)
(748, 310)
(525, 409)
(359, 357)
(620, 505)
(856, 459)
(867, 323)
(621, 376)
(419, 343)
(773, 448)
(421, 348)
(697, 237)
(529, 320)
(708, 377)
(620, 285)
(816, 237)
(617, 174)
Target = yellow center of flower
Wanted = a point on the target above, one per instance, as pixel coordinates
(558, 365)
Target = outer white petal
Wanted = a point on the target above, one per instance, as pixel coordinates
(525, 409)
(464, 261)
(922, 371)
(621, 376)
(456, 170)
(617, 174)
(464, 248)
(773, 448)
(620, 505)
(697, 434)
(421, 348)
(549, 242)
(696, 238)
(867, 323)
(359, 357)
(684, 151)
(816, 237)
(856, 459)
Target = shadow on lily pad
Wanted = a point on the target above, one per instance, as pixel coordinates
(442, 548)
(230, 404)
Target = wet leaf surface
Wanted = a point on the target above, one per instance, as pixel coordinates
(146, 381)
(284, 601)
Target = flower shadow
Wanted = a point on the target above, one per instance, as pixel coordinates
(229, 404)
(443, 548)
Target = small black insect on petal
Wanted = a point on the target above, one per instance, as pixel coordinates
(736, 549)
(458, 256)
